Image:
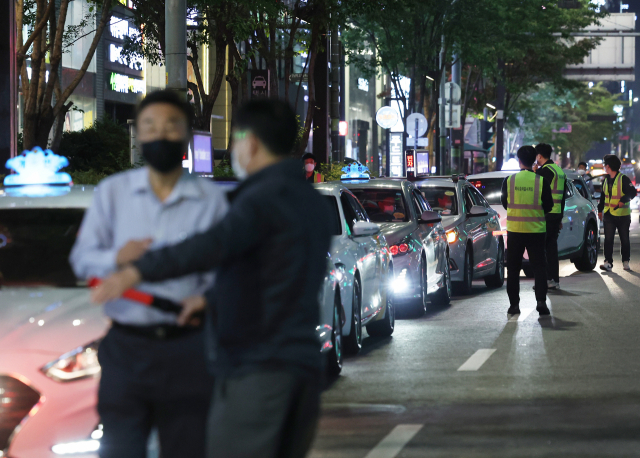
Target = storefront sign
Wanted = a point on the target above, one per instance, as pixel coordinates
(363, 84)
(395, 154)
(387, 117)
(120, 28)
(126, 84)
(135, 63)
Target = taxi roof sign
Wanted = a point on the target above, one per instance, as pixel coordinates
(37, 167)
(355, 171)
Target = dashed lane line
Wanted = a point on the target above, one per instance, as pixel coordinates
(476, 360)
(394, 442)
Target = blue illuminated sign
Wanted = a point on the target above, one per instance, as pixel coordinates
(355, 171)
(37, 167)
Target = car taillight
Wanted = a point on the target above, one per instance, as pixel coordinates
(403, 247)
(394, 250)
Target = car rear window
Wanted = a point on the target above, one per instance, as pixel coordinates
(490, 188)
(383, 205)
(35, 246)
(442, 199)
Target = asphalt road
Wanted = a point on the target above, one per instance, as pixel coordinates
(463, 381)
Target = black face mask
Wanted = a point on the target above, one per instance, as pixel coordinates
(163, 155)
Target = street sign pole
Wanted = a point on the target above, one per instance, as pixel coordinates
(176, 44)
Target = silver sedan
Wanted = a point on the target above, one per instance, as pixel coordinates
(416, 239)
(473, 231)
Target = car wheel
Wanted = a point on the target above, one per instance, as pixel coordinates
(589, 258)
(496, 280)
(465, 286)
(443, 295)
(353, 342)
(385, 326)
(334, 363)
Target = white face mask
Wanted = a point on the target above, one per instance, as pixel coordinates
(239, 170)
(309, 167)
(581, 172)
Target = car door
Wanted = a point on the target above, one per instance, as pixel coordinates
(571, 233)
(368, 255)
(474, 227)
(433, 235)
(489, 244)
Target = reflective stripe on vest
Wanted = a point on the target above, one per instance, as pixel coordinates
(318, 178)
(524, 208)
(611, 200)
(557, 186)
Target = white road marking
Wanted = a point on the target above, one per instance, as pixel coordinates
(390, 446)
(476, 360)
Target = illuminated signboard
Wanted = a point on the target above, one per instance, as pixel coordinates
(395, 154)
(115, 56)
(37, 167)
(409, 160)
(363, 84)
(120, 28)
(343, 128)
(126, 84)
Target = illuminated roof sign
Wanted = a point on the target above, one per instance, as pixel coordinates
(37, 167)
(355, 171)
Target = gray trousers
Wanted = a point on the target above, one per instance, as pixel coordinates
(268, 413)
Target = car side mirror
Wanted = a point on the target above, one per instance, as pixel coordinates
(596, 195)
(477, 210)
(429, 217)
(365, 228)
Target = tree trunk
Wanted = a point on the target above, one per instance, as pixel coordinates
(58, 128)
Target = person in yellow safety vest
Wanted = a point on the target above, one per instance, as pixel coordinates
(310, 173)
(617, 192)
(557, 179)
(527, 198)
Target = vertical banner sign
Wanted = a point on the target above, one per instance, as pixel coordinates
(259, 83)
(396, 160)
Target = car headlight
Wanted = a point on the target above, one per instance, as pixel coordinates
(81, 446)
(77, 364)
(452, 235)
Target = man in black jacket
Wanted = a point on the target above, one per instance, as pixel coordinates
(617, 192)
(269, 253)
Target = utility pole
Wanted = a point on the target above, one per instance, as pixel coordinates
(443, 131)
(457, 152)
(8, 92)
(176, 44)
(500, 93)
(336, 155)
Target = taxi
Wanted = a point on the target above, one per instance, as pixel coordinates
(416, 238)
(49, 330)
(363, 263)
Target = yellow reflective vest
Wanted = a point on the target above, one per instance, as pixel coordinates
(557, 186)
(612, 197)
(524, 203)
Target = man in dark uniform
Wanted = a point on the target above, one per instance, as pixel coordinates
(527, 198)
(270, 255)
(617, 192)
(557, 180)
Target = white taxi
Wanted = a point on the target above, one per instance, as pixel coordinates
(49, 330)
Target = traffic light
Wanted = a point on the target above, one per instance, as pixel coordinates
(486, 134)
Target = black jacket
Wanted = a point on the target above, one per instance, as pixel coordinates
(547, 174)
(547, 197)
(269, 253)
(628, 190)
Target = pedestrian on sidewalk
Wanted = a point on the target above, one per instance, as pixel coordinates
(153, 372)
(527, 198)
(270, 256)
(617, 192)
(557, 179)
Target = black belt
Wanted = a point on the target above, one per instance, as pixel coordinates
(157, 332)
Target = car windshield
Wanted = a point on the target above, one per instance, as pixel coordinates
(442, 199)
(490, 188)
(35, 246)
(383, 205)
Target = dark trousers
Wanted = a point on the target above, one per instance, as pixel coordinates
(153, 383)
(534, 243)
(553, 265)
(267, 413)
(621, 223)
